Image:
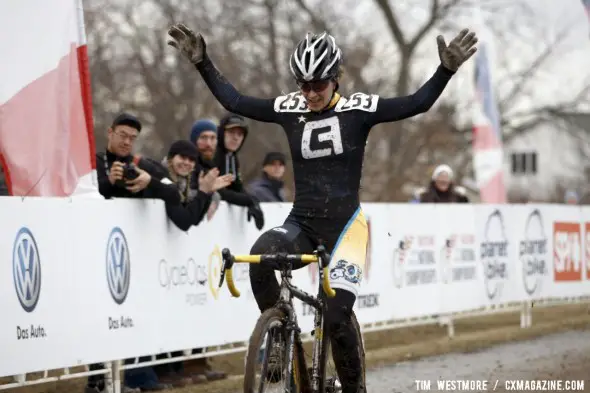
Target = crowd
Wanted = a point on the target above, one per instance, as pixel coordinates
(191, 179)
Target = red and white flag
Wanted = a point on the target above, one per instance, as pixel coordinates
(488, 154)
(46, 127)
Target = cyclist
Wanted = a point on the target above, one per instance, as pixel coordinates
(327, 134)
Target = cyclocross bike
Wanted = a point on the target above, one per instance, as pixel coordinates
(280, 324)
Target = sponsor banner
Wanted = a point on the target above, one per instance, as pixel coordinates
(531, 230)
(38, 303)
(93, 280)
(115, 254)
(188, 281)
(412, 252)
(458, 261)
(568, 254)
(497, 252)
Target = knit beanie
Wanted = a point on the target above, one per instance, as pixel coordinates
(201, 126)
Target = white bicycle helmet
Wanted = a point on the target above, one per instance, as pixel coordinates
(316, 57)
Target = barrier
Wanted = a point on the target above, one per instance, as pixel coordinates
(96, 281)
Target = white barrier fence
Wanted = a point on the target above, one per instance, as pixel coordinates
(92, 281)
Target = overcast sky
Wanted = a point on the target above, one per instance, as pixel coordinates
(567, 70)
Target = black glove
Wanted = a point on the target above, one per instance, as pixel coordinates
(190, 44)
(460, 49)
(256, 212)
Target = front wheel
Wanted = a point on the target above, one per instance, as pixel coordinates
(267, 356)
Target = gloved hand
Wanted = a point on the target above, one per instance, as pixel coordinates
(459, 50)
(256, 212)
(191, 45)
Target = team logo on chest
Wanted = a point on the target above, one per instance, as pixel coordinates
(326, 130)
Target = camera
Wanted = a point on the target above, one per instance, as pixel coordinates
(129, 173)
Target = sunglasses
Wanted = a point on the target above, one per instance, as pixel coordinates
(317, 87)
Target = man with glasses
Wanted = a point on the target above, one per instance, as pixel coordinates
(123, 175)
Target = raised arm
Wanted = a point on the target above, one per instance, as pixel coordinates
(193, 47)
(399, 108)
(460, 49)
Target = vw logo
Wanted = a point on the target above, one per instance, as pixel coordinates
(118, 265)
(26, 269)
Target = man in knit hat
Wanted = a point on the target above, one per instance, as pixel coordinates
(204, 136)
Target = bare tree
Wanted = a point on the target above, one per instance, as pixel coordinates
(133, 69)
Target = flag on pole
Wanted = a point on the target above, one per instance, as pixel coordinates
(488, 157)
(46, 127)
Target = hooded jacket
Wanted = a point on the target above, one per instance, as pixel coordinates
(227, 162)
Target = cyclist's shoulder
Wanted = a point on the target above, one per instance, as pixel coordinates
(293, 102)
(358, 101)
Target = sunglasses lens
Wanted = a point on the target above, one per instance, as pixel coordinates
(318, 87)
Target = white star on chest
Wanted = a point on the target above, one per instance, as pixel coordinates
(301, 119)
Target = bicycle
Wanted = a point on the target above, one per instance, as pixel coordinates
(282, 319)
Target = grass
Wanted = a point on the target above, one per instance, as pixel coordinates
(386, 347)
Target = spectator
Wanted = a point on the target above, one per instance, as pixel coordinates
(204, 136)
(181, 163)
(232, 133)
(123, 175)
(269, 187)
(442, 189)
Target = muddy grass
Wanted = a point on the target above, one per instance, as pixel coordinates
(394, 345)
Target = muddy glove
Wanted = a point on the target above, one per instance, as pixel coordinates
(187, 42)
(459, 50)
(256, 212)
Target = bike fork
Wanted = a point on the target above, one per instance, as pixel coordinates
(316, 378)
(292, 329)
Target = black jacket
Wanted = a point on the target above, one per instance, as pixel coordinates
(266, 189)
(455, 194)
(155, 190)
(193, 208)
(227, 162)
(202, 165)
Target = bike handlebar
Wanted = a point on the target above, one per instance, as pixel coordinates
(321, 256)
